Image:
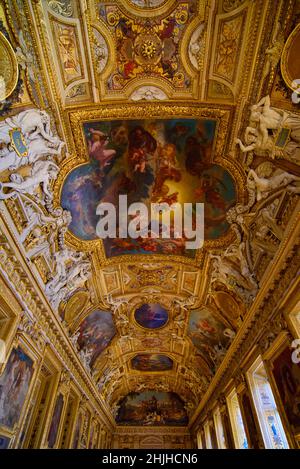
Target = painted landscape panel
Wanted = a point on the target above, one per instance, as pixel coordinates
(151, 316)
(152, 408)
(151, 362)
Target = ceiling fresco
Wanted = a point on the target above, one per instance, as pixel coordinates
(152, 99)
(209, 335)
(160, 161)
(152, 362)
(95, 333)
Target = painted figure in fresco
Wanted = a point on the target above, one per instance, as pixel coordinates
(152, 408)
(141, 147)
(97, 148)
(287, 378)
(291, 388)
(14, 384)
(166, 170)
(96, 332)
(67, 46)
(205, 327)
(209, 188)
(152, 362)
(55, 421)
(151, 315)
(207, 334)
(197, 153)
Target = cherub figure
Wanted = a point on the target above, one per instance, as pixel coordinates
(97, 148)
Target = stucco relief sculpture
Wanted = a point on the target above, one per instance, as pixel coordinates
(25, 57)
(26, 138)
(72, 271)
(148, 93)
(264, 186)
(85, 355)
(42, 173)
(272, 132)
(197, 46)
(59, 221)
(231, 269)
(274, 51)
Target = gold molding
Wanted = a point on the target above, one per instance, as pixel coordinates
(9, 67)
(283, 64)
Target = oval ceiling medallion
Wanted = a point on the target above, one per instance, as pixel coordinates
(151, 316)
(290, 62)
(9, 68)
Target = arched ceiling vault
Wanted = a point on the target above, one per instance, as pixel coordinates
(179, 76)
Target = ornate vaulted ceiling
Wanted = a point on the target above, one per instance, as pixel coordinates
(180, 76)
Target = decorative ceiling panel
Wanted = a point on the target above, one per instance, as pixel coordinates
(149, 161)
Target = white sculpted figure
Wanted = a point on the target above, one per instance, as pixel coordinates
(32, 122)
(264, 119)
(227, 274)
(36, 218)
(122, 319)
(263, 185)
(148, 93)
(184, 303)
(62, 288)
(86, 356)
(42, 173)
(115, 302)
(78, 275)
(229, 333)
(36, 138)
(237, 252)
(62, 258)
(74, 338)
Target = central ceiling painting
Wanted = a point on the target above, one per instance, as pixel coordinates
(150, 161)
